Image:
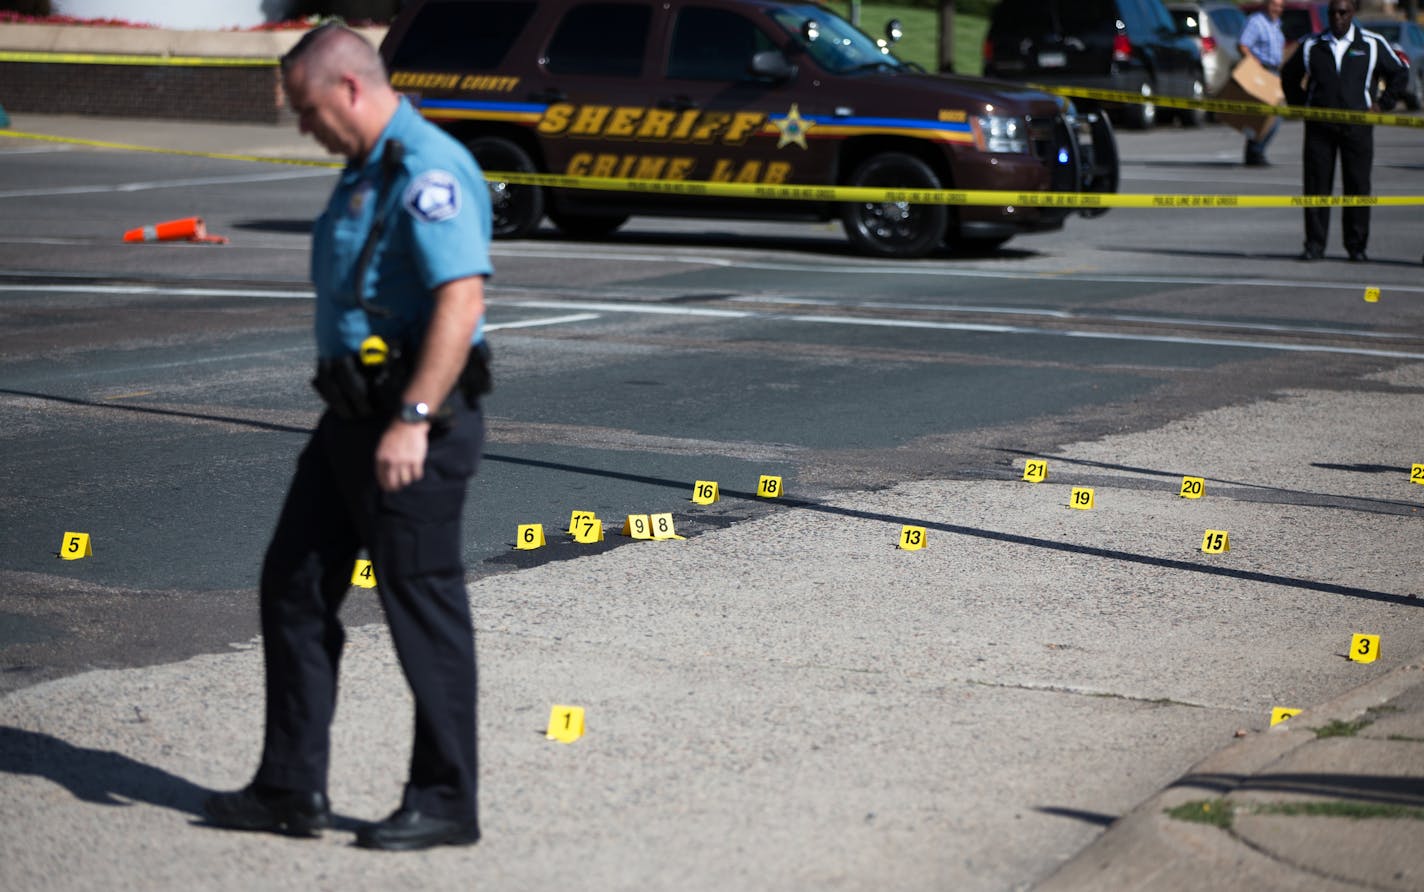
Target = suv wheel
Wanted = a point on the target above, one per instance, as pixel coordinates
(1141, 115)
(1194, 117)
(894, 228)
(516, 210)
(576, 225)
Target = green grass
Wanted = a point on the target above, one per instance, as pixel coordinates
(1216, 812)
(1357, 810)
(1337, 728)
(922, 33)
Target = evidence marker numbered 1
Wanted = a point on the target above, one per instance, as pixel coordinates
(565, 723)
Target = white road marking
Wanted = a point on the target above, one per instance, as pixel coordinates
(534, 323)
(889, 268)
(589, 310)
(166, 184)
(34, 150)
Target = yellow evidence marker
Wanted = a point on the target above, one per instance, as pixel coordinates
(363, 574)
(529, 536)
(769, 487)
(565, 723)
(1416, 474)
(638, 527)
(1035, 470)
(1372, 295)
(590, 529)
(1364, 648)
(704, 492)
(662, 527)
(912, 538)
(1081, 498)
(577, 518)
(1192, 487)
(75, 546)
(1281, 713)
(1216, 541)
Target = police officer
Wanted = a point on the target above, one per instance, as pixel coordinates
(399, 260)
(1338, 68)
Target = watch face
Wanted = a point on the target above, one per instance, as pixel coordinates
(415, 413)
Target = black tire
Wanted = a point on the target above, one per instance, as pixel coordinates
(1141, 115)
(516, 210)
(590, 226)
(1194, 117)
(889, 228)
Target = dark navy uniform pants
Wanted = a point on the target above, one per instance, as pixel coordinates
(333, 509)
(1354, 145)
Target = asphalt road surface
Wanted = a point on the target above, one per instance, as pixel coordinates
(155, 396)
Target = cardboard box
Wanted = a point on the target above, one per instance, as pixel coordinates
(1251, 83)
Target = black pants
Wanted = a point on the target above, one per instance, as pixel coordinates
(1355, 146)
(333, 509)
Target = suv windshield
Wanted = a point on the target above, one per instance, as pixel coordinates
(840, 47)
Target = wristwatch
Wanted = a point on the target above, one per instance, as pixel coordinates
(414, 413)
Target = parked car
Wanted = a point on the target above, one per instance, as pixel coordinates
(1126, 45)
(1407, 39)
(757, 92)
(1298, 19)
(1217, 29)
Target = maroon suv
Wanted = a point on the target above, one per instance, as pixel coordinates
(734, 91)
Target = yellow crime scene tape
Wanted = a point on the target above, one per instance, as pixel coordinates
(137, 59)
(1238, 107)
(975, 197)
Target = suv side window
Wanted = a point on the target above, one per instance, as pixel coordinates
(713, 44)
(462, 36)
(600, 39)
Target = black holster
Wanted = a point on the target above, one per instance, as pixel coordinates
(356, 392)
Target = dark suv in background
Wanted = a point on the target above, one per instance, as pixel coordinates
(1129, 45)
(751, 93)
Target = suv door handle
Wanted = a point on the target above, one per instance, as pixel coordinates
(553, 94)
(677, 103)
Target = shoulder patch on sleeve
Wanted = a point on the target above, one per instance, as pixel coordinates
(433, 196)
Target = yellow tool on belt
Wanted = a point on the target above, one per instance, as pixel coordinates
(374, 351)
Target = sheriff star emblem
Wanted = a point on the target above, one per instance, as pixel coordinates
(793, 128)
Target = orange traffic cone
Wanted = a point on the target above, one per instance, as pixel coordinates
(190, 229)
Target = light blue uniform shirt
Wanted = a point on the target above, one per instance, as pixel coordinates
(1264, 38)
(437, 230)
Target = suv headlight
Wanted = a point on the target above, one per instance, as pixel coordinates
(1002, 134)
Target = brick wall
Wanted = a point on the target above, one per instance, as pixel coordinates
(237, 94)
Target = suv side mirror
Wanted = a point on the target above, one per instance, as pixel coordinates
(893, 32)
(772, 65)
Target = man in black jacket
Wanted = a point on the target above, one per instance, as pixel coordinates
(1338, 68)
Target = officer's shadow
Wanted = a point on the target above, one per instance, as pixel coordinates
(104, 777)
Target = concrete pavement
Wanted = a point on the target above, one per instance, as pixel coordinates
(785, 704)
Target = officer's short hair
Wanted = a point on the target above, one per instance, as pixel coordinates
(334, 49)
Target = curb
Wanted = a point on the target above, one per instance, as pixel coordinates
(1146, 850)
